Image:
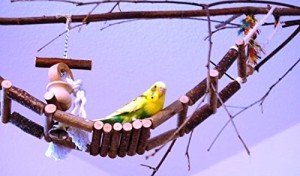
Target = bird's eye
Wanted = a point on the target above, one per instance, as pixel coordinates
(155, 87)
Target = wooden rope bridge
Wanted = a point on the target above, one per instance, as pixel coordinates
(129, 138)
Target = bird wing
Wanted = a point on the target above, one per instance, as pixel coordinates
(130, 107)
(133, 106)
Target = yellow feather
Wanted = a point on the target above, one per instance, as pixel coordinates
(146, 105)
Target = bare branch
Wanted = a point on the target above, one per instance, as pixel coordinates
(148, 15)
(150, 167)
(228, 21)
(251, 2)
(163, 158)
(59, 35)
(209, 45)
(187, 151)
(222, 28)
(232, 122)
(254, 103)
(117, 1)
(114, 24)
(165, 2)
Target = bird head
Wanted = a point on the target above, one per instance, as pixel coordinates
(156, 91)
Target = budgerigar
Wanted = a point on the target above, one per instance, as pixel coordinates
(143, 106)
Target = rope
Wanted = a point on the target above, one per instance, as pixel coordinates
(80, 99)
(68, 28)
(79, 137)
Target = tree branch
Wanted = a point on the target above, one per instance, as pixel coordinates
(148, 15)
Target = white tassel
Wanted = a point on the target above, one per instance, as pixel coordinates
(57, 152)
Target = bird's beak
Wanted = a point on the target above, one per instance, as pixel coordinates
(161, 91)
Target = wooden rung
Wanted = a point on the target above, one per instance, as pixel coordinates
(136, 130)
(205, 111)
(72, 63)
(165, 114)
(26, 100)
(26, 125)
(199, 90)
(71, 120)
(96, 138)
(51, 99)
(213, 89)
(125, 139)
(49, 111)
(1, 80)
(182, 115)
(161, 139)
(115, 140)
(145, 134)
(241, 61)
(106, 139)
(5, 101)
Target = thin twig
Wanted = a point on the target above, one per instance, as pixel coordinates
(155, 152)
(187, 151)
(209, 45)
(48, 43)
(252, 104)
(117, 23)
(114, 7)
(228, 21)
(231, 120)
(163, 158)
(84, 21)
(212, 20)
(230, 77)
(200, 19)
(177, 131)
(150, 167)
(219, 29)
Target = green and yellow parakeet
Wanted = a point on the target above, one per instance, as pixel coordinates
(145, 105)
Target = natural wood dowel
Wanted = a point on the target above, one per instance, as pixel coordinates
(106, 139)
(135, 135)
(5, 101)
(213, 89)
(96, 138)
(182, 115)
(72, 120)
(72, 63)
(51, 99)
(27, 125)
(199, 90)
(26, 99)
(115, 140)
(125, 139)
(166, 113)
(161, 139)
(145, 134)
(49, 111)
(1, 79)
(241, 61)
(205, 111)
